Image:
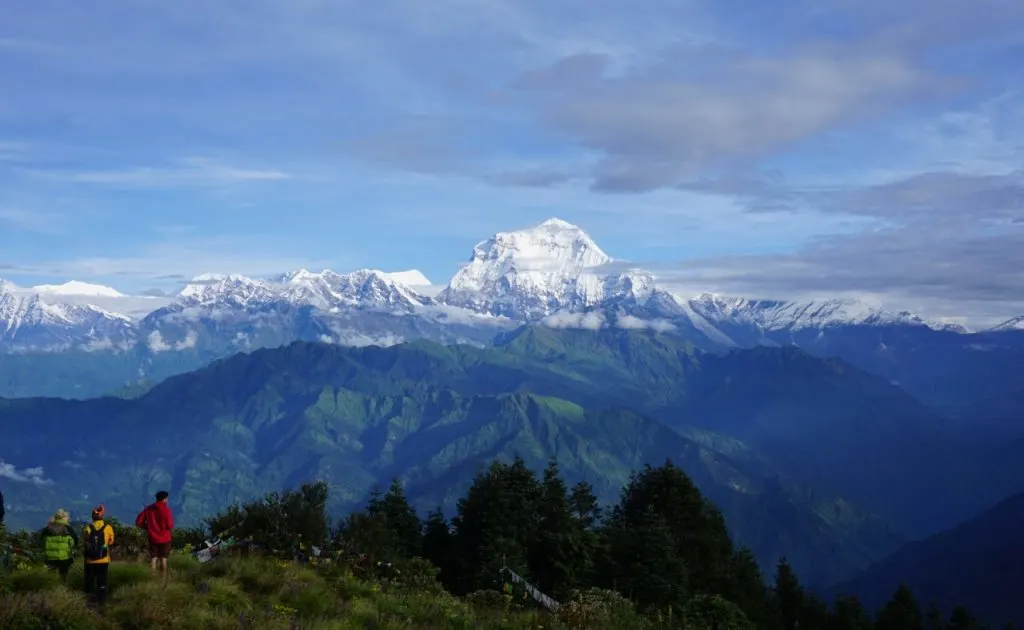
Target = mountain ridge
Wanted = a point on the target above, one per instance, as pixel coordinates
(425, 412)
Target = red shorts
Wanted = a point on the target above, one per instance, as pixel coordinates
(159, 550)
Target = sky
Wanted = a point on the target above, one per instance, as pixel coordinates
(784, 150)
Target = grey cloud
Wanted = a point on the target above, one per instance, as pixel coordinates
(156, 293)
(441, 145)
(945, 242)
(942, 270)
(658, 126)
(928, 197)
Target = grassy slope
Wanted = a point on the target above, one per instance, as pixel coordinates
(234, 594)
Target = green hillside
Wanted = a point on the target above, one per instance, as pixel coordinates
(600, 403)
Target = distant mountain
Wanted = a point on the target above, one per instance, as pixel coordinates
(552, 274)
(772, 434)
(77, 288)
(28, 323)
(1017, 323)
(978, 564)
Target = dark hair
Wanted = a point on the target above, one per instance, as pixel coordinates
(160, 496)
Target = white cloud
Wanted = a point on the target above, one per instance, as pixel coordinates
(631, 322)
(563, 319)
(158, 344)
(194, 171)
(34, 475)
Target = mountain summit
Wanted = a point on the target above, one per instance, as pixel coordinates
(532, 273)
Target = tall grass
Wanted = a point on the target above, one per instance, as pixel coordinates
(241, 594)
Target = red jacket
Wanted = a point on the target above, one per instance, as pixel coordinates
(158, 521)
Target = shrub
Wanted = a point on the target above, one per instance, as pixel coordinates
(711, 611)
(599, 608)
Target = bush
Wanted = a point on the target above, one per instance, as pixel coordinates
(713, 612)
(600, 608)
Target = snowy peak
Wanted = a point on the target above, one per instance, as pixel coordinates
(777, 315)
(215, 289)
(28, 322)
(363, 288)
(410, 278)
(1017, 323)
(554, 250)
(74, 287)
(534, 272)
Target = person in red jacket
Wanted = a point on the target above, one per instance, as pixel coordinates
(158, 521)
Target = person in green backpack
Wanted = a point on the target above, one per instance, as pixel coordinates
(59, 542)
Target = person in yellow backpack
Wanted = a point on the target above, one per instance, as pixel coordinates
(59, 542)
(99, 538)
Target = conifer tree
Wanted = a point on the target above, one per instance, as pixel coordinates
(557, 548)
(494, 523)
(643, 563)
(849, 614)
(962, 619)
(902, 612)
(698, 533)
(586, 512)
(400, 519)
(788, 596)
(746, 588)
(439, 548)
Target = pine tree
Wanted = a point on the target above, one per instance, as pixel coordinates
(586, 511)
(439, 547)
(933, 619)
(556, 550)
(698, 533)
(746, 587)
(849, 614)
(643, 562)
(962, 619)
(400, 519)
(788, 596)
(902, 612)
(495, 521)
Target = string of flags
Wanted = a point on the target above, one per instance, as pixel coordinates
(544, 600)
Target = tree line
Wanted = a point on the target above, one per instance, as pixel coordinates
(663, 546)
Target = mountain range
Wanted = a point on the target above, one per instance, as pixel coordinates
(552, 274)
(432, 414)
(977, 564)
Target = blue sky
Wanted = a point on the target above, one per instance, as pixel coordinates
(780, 149)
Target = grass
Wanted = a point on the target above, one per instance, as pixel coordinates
(237, 594)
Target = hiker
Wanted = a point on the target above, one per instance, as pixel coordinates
(99, 538)
(158, 521)
(59, 542)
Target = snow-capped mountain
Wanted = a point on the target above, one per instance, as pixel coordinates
(538, 274)
(75, 287)
(365, 288)
(28, 323)
(774, 315)
(535, 272)
(1017, 323)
